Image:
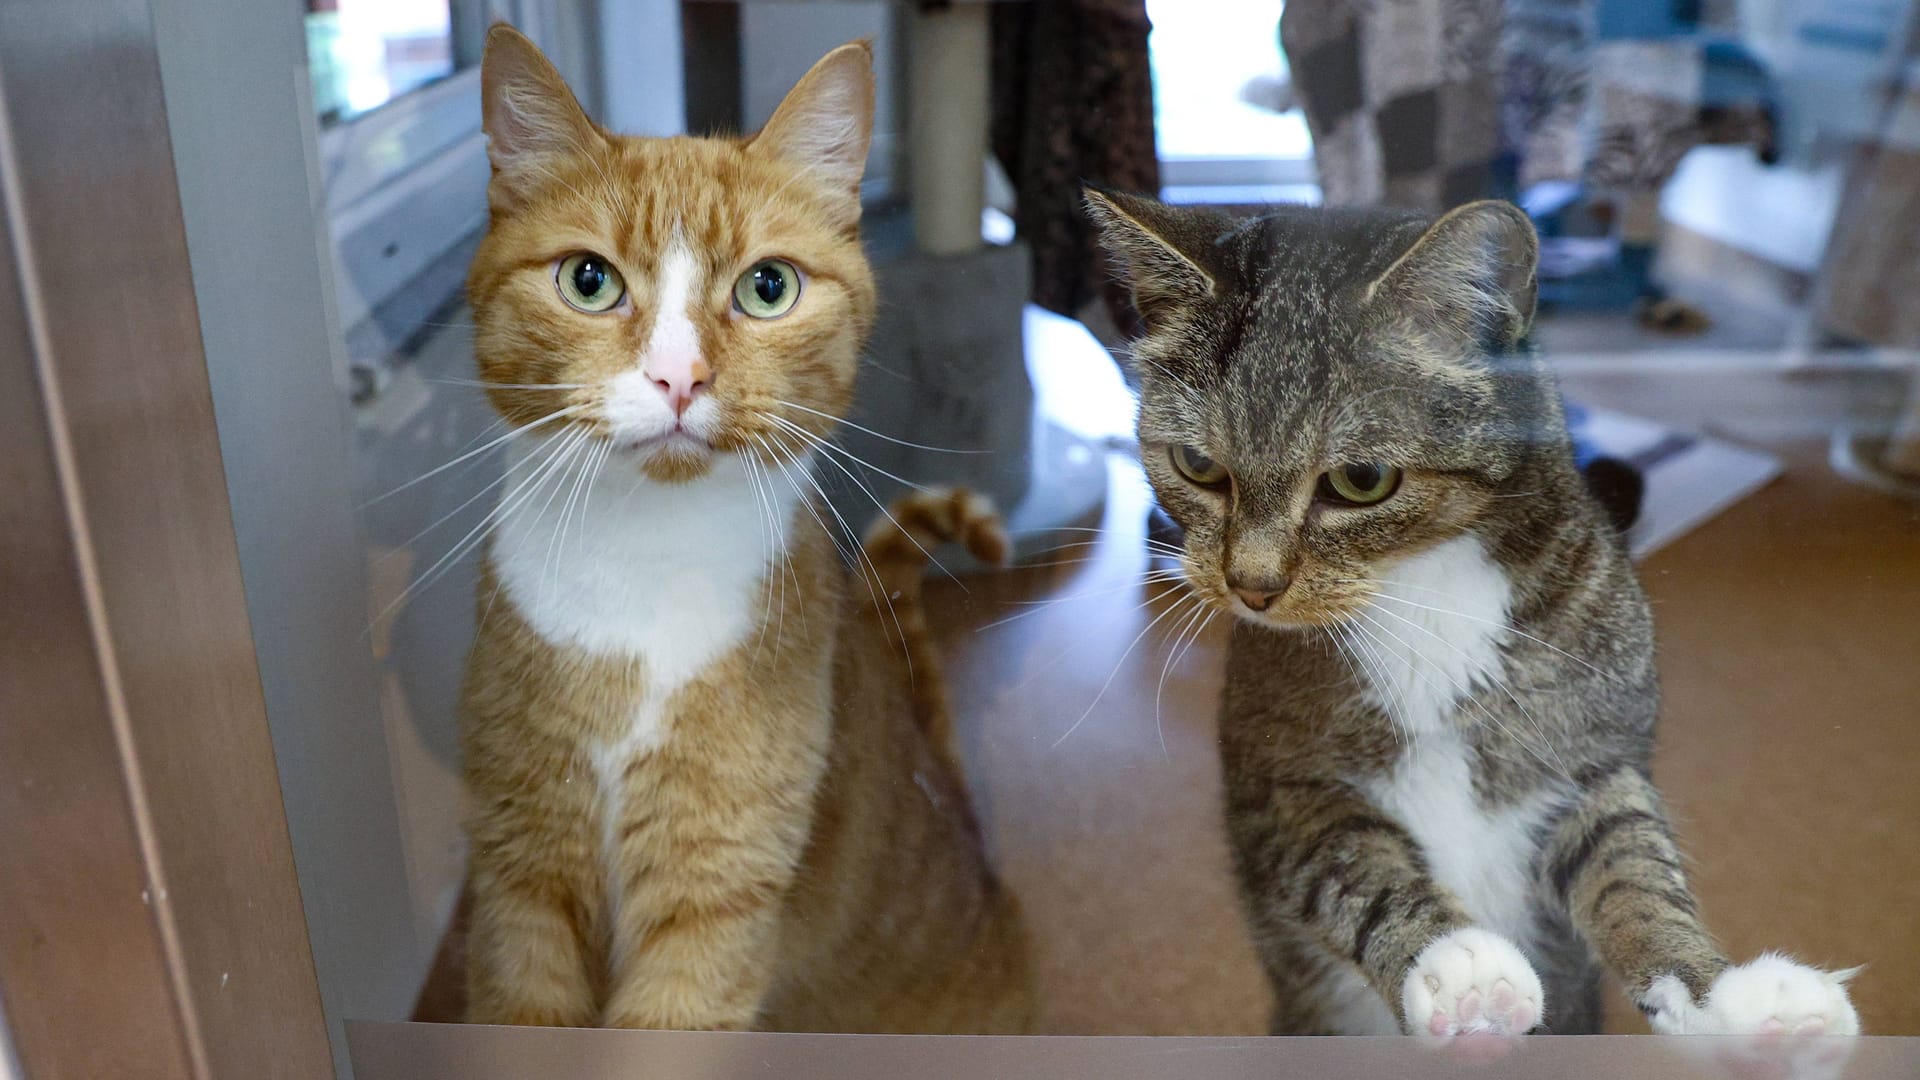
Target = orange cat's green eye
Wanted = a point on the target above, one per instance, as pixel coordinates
(767, 291)
(1197, 466)
(589, 282)
(1359, 483)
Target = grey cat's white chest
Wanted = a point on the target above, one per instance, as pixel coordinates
(1432, 634)
(1483, 855)
(1431, 637)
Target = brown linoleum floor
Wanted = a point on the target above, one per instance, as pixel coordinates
(1789, 636)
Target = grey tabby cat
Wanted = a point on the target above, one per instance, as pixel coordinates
(1440, 692)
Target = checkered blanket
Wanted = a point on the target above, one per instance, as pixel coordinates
(1431, 103)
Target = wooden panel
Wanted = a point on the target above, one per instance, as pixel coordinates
(69, 910)
(127, 644)
(460, 1052)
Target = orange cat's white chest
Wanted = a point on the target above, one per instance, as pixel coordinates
(616, 565)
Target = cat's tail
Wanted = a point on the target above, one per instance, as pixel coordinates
(898, 548)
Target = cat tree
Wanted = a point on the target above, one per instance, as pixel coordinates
(947, 367)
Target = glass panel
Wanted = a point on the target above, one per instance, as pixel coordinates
(1455, 562)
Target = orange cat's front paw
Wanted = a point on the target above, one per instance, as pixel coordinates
(528, 1015)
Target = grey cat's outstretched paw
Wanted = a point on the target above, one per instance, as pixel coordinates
(1773, 995)
(1468, 982)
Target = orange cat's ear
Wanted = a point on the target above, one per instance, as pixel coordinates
(531, 118)
(826, 121)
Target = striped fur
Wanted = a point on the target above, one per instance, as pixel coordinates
(1436, 739)
(706, 790)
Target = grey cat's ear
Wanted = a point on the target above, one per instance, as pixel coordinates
(825, 123)
(1150, 243)
(532, 120)
(1475, 270)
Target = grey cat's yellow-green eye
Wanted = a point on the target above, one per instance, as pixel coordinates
(589, 283)
(1197, 466)
(1360, 483)
(767, 291)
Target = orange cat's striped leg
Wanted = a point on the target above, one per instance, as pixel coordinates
(526, 956)
(703, 966)
(699, 891)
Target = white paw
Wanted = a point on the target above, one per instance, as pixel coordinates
(1468, 982)
(1772, 995)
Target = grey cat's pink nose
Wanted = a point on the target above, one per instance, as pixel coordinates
(1260, 596)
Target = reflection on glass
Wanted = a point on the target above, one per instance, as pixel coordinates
(365, 53)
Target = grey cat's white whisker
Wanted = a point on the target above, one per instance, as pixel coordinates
(1493, 680)
(524, 429)
(1174, 652)
(1374, 660)
(878, 435)
(1077, 644)
(1158, 547)
(1462, 691)
(1035, 607)
(1147, 577)
(1135, 643)
(1507, 626)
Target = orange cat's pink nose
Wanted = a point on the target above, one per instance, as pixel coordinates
(680, 381)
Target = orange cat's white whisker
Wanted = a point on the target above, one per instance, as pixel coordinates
(868, 492)
(779, 462)
(830, 447)
(513, 386)
(876, 434)
(863, 566)
(460, 549)
(523, 429)
(529, 489)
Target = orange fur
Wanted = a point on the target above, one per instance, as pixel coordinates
(797, 851)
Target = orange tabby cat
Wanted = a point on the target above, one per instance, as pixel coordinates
(707, 792)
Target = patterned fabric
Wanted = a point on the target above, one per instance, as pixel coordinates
(1413, 102)
(1603, 93)
(1400, 96)
(1072, 104)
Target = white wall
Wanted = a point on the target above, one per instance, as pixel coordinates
(642, 85)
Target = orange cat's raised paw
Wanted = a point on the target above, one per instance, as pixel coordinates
(923, 520)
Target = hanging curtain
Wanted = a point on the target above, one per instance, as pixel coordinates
(1072, 104)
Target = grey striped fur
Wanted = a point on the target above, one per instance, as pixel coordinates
(1270, 341)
